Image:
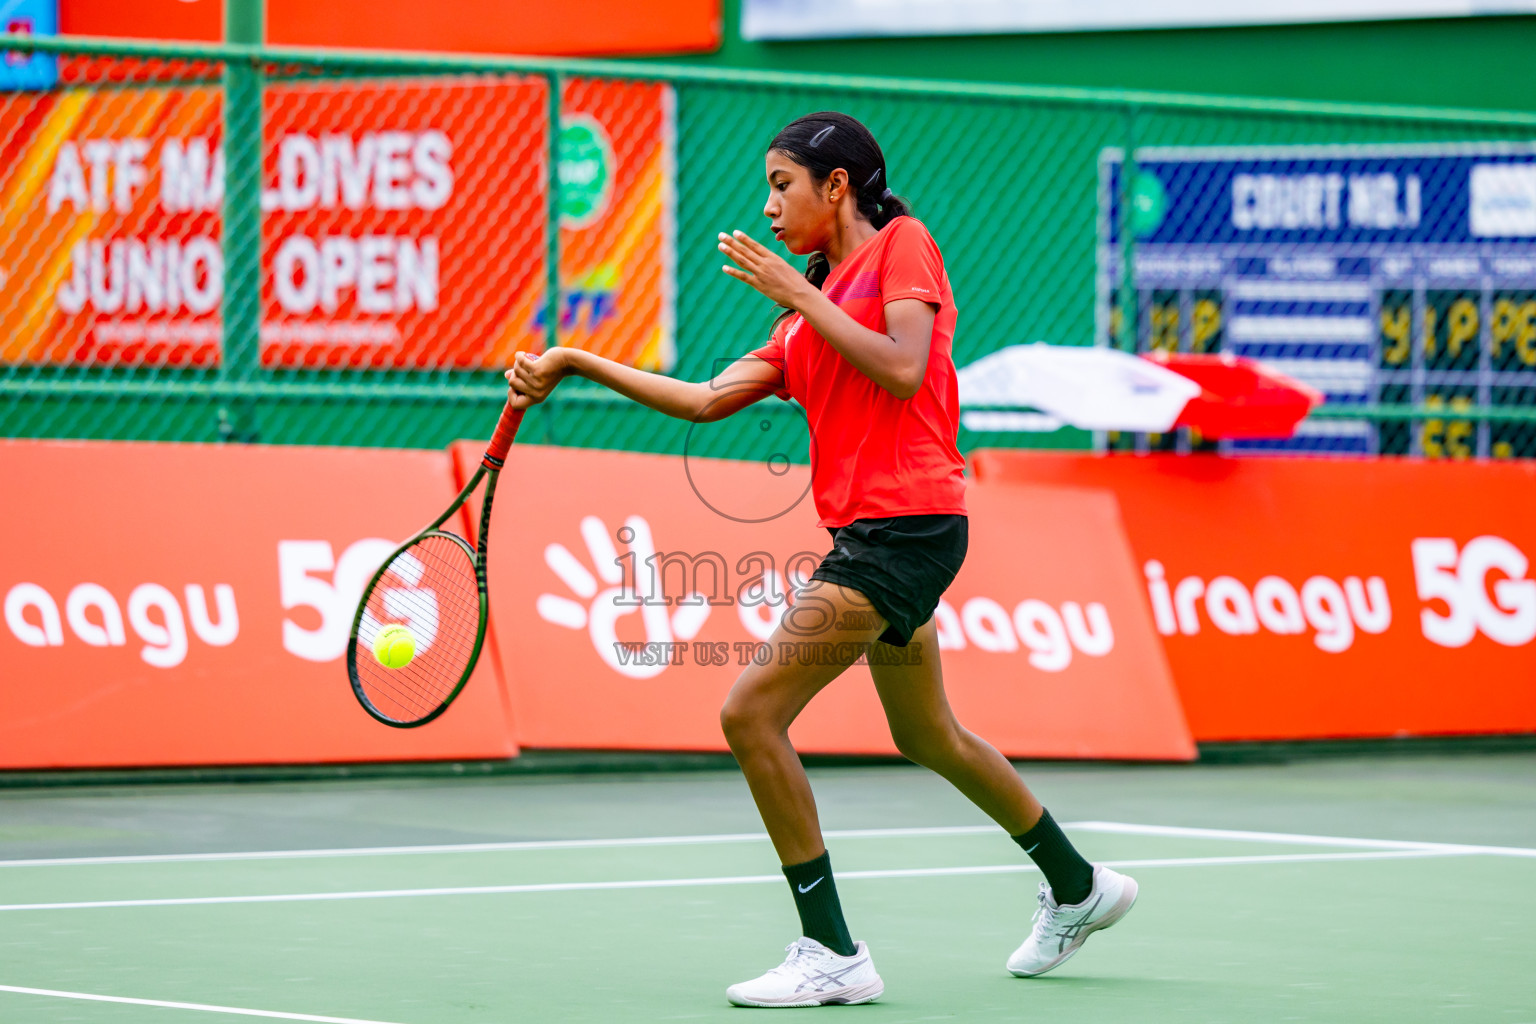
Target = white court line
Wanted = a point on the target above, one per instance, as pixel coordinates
(169, 1005)
(756, 837)
(673, 883)
(525, 844)
(753, 837)
(1295, 839)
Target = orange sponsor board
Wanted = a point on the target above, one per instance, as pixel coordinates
(628, 591)
(404, 225)
(190, 604)
(199, 20)
(574, 27)
(1311, 598)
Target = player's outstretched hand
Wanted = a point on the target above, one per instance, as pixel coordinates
(763, 269)
(534, 377)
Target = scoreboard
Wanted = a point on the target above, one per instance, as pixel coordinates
(1379, 275)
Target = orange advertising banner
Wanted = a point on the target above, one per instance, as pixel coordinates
(121, 251)
(572, 28)
(1312, 598)
(404, 225)
(190, 604)
(617, 143)
(628, 590)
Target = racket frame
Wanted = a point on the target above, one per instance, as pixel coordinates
(489, 471)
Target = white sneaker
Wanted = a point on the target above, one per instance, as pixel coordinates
(812, 975)
(1059, 931)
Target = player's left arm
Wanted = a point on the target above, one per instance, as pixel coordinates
(896, 360)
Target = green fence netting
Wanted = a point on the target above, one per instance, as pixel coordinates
(252, 244)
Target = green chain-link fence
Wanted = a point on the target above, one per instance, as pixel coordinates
(239, 243)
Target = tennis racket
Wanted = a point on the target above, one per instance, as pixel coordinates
(435, 585)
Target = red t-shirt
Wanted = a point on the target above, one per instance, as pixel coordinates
(873, 454)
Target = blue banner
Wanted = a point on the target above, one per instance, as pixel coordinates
(29, 18)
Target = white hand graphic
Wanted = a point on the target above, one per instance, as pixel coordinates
(601, 614)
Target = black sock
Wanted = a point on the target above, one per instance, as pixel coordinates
(1068, 874)
(821, 915)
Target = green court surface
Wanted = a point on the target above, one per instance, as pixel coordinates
(1397, 888)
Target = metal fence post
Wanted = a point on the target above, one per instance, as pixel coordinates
(1126, 228)
(552, 225)
(552, 241)
(244, 23)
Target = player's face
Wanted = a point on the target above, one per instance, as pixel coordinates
(801, 215)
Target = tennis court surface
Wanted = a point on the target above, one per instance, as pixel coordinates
(1397, 888)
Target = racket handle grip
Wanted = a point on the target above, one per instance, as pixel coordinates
(501, 441)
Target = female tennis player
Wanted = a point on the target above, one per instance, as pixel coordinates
(865, 346)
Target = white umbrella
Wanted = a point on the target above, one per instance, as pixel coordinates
(1090, 388)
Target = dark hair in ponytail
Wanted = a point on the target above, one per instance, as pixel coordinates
(824, 141)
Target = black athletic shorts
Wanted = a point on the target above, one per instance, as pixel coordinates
(903, 564)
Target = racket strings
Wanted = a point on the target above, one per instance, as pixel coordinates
(432, 590)
(443, 653)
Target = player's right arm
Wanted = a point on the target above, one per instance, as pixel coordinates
(747, 380)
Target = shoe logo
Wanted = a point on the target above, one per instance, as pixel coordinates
(1070, 932)
(829, 979)
(808, 888)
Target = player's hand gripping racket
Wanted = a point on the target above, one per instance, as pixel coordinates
(435, 586)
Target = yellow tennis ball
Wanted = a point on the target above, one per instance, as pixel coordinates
(395, 646)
